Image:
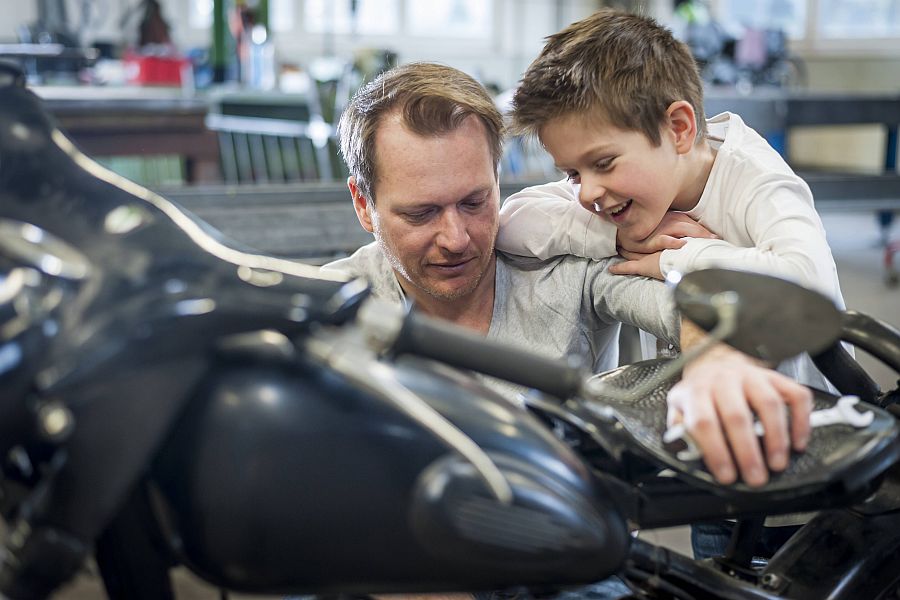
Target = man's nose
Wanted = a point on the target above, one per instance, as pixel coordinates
(454, 233)
(591, 192)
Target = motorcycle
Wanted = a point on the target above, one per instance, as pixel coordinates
(170, 398)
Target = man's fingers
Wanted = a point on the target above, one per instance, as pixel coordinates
(737, 420)
(701, 421)
(799, 400)
(767, 403)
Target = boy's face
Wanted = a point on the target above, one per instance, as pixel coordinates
(618, 174)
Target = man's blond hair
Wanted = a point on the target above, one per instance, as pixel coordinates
(432, 100)
(626, 69)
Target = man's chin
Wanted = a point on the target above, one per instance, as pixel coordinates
(446, 291)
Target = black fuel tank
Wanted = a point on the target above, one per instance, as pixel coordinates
(288, 479)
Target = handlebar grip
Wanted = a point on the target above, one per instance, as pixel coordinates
(846, 374)
(875, 337)
(425, 336)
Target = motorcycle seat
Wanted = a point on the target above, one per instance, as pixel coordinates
(838, 457)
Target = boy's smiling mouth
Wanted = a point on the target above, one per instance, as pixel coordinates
(618, 211)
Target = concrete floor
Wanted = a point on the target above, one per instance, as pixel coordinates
(855, 240)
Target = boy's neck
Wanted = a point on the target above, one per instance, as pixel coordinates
(699, 165)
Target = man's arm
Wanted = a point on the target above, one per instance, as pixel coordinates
(718, 399)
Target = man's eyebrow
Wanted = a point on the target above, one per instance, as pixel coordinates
(480, 192)
(421, 205)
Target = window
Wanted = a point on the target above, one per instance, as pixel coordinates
(786, 15)
(858, 19)
(281, 14)
(372, 17)
(471, 19)
(820, 25)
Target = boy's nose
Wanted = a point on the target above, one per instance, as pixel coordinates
(590, 195)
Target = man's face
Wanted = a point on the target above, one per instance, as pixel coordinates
(436, 212)
(616, 173)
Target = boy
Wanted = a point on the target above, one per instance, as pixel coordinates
(618, 103)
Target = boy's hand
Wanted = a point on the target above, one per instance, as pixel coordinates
(718, 399)
(638, 264)
(666, 236)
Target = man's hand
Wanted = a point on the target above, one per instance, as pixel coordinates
(666, 236)
(719, 398)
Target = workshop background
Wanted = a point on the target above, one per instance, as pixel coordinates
(228, 106)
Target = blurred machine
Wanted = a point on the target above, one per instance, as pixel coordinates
(49, 50)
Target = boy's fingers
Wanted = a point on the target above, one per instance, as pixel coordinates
(629, 267)
(658, 243)
(631, 255)
(654, 243)
(692, 230)
(643, 268)
(679, 225)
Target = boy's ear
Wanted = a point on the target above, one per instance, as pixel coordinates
(681, 124)
(360, 205)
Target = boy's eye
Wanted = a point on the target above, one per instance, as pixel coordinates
(604, 164)
(573, 177)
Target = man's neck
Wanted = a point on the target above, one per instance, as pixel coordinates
(474, 310)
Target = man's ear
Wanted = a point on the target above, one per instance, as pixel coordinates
(360, 205)
(681, 124)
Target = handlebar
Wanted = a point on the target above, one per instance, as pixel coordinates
(398, 332)
(875, 337)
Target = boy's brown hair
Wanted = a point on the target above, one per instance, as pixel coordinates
(432, 100)
(625, 68)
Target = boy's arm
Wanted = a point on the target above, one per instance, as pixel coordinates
(788, 241)
(718, 399)
(546, 221)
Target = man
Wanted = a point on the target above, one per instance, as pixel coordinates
(423, 144)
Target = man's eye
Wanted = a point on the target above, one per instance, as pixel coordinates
(417, 217)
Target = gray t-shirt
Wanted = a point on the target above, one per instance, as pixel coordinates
(566, 306)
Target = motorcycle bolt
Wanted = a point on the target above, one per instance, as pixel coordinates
(56, 421)
(771, 581)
